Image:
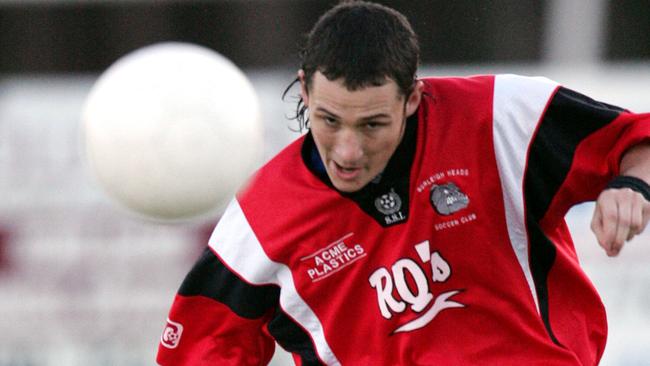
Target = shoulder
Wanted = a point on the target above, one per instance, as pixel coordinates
(518, 98)
(457, 84)
(501, 93)
(277, 171)
(283, 192)
(518, 87)
(289, 155)
(241, 237)
(490, 82)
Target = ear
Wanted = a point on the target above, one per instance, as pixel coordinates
(413, 100)
(303, 88)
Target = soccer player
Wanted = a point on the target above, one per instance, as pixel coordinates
(420, 221)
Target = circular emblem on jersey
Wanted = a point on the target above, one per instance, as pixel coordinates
(448, 198)
(388, 203)
(171, 335)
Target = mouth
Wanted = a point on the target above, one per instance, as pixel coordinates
(346, 172)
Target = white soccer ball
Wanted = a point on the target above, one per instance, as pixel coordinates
(171, 130)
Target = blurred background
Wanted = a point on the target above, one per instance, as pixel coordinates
(82, 282)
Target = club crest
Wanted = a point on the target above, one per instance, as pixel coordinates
(448, 198)
(388, 203)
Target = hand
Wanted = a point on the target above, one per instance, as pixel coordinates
(620, 214)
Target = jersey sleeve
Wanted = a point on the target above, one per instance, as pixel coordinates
(575, 151)
(221, 312)
(556, 147)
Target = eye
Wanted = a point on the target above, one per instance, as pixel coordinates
(330, 121)
(374, 125)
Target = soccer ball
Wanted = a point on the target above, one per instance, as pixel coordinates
(171, 130)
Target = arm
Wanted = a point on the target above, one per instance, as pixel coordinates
(222, 311)
(579, 146)
(218, 319)
(621, 214)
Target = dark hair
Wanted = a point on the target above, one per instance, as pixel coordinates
(364, 44)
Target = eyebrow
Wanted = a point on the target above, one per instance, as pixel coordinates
(376, 116)
(368, 118)
(323, 110)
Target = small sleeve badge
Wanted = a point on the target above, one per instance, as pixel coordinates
(171, 336)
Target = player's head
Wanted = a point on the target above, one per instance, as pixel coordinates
(358, 85)
(364, 44)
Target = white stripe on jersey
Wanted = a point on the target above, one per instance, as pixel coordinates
(238, 246)
(519, 103)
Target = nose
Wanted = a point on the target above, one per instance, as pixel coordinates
(349, 148)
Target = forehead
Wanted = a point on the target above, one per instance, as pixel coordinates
(333, 94)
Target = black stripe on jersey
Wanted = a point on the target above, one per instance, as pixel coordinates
(542, 256)
(293, 338)
(211, 278)
(568, 120)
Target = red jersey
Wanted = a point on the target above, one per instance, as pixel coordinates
(457, 254)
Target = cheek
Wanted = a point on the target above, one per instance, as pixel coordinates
(386, 144)
(323, 141)
(380, 152)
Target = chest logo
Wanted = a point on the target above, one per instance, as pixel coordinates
(448, 198)
(333, 258)
(416, 295)
(388, 203)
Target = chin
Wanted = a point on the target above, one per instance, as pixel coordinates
(347, 187)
